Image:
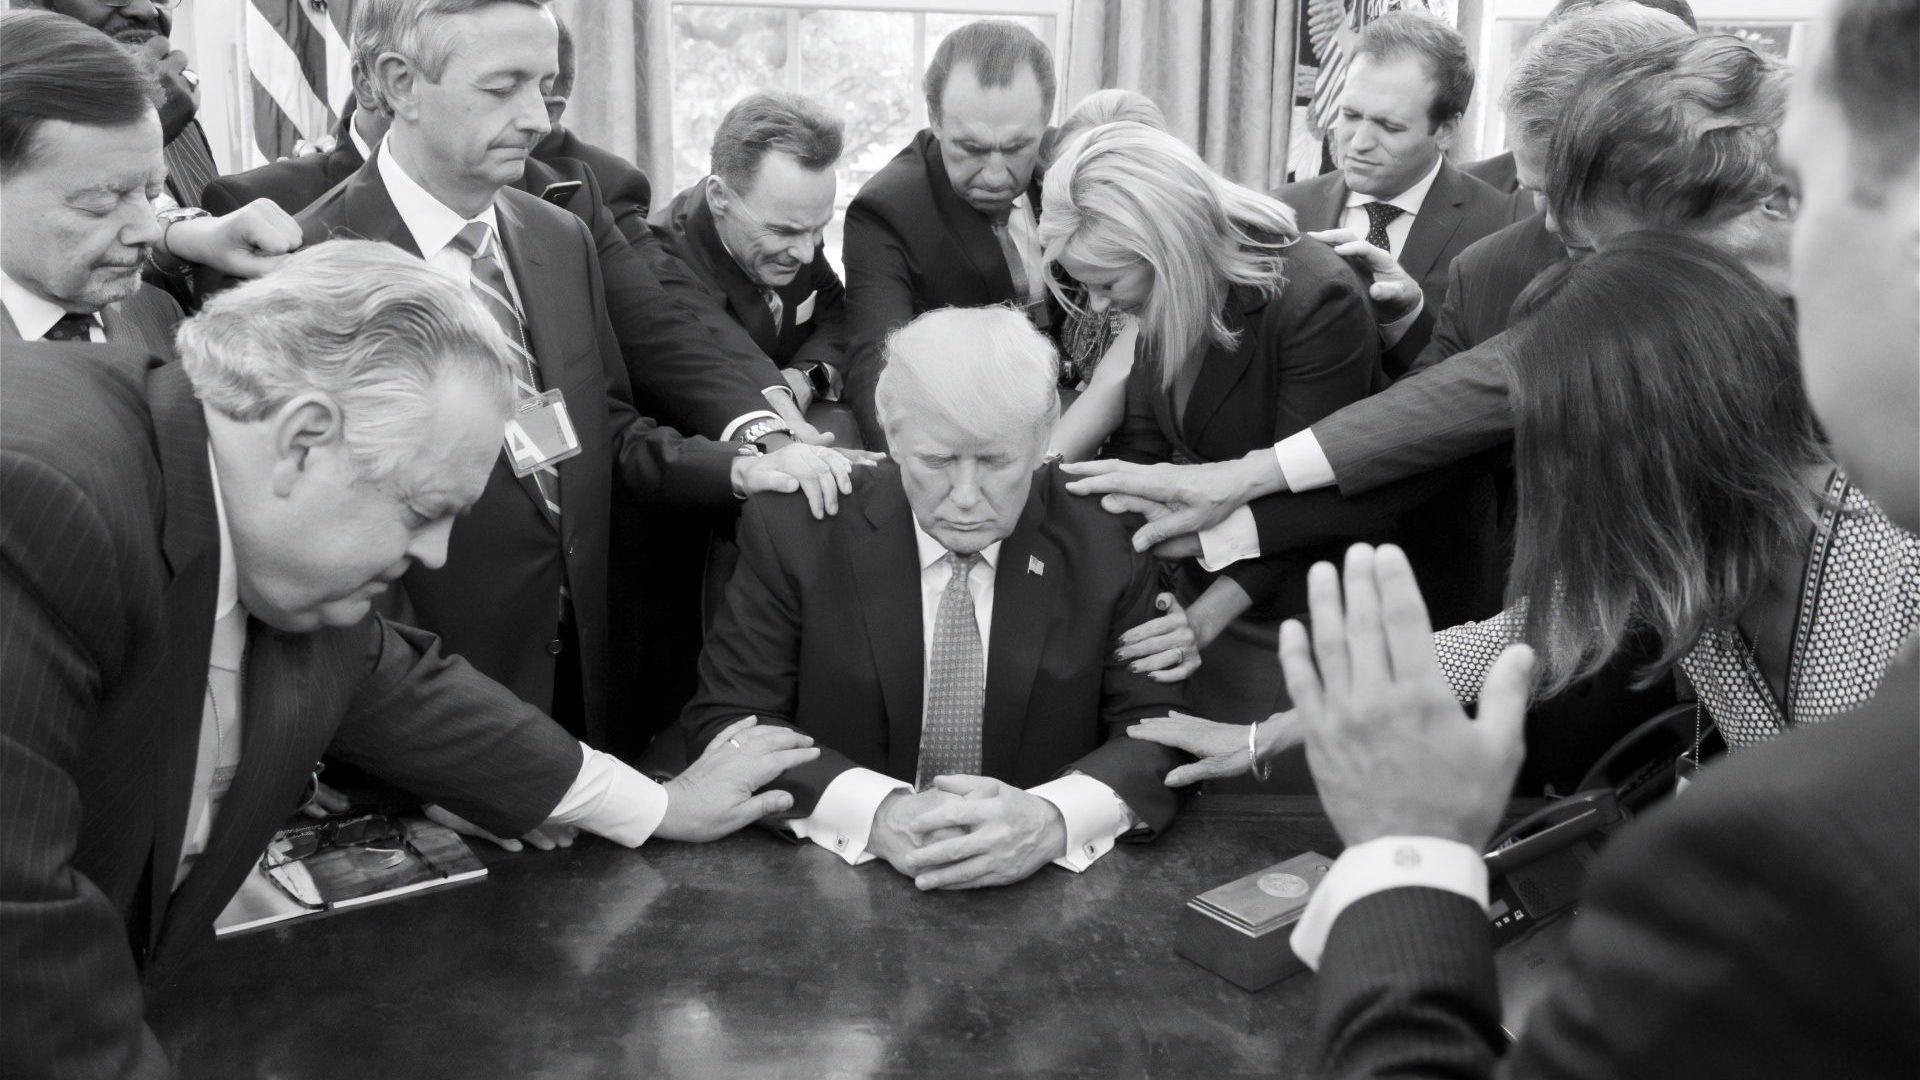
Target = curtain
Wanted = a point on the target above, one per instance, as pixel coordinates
(622, 91)
(1221, 70)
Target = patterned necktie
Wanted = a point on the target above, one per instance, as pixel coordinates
(956, 683)
(488, 279)
(72, 326)
(1378, 215)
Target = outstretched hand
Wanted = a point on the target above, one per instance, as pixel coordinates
(1392, 751)
(1194, 497)
(715, 797)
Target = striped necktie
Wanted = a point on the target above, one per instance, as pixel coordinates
(488, 279)
(956, 683)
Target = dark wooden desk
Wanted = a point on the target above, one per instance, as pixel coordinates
(754, 958)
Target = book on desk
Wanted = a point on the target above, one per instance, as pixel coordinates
(317, 868)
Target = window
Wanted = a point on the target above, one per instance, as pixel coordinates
(862, 59)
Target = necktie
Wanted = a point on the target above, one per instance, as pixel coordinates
(774, 306)
(1017, 270)
(1378, 215)
(488, 279)
(71, 327)
(956, 683)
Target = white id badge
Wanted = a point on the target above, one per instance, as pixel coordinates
(805, 311)
(540, 433)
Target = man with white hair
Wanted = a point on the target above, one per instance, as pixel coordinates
(949, 636)
(190, 556)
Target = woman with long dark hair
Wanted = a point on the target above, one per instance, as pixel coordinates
(1671, 479)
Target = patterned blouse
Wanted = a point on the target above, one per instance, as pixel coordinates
(1859, 601)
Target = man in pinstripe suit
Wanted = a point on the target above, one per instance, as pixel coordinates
(187, 566)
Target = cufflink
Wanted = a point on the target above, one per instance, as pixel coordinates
(840, 843)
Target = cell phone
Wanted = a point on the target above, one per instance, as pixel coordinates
(560, 191)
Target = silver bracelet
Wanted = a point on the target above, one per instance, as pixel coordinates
(1253, 755)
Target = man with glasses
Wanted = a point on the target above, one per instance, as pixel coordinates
(751, 232)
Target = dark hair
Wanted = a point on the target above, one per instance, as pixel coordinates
(57, 68)
(1872, 66)
(995, 48)
(1679, 9)
(1675, 135)
(1660, 430)
(1438, 47)
(563, 81)
(769, 121)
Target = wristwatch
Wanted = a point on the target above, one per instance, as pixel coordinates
(168, 218)
(819, 377)
(758, 430)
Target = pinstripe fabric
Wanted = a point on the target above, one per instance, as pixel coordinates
(145, 320)
(1443, 412)
(190, 165)
(108, 566)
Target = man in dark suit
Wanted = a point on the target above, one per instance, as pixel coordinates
(1767, 922)
(952, 220)
(688, 367)
(1406, 91)
(624, 188)
(984, 605)
(190, 556)
(523, 594)
(78, 179)
(751, 231)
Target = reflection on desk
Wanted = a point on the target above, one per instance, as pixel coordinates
(751, 958)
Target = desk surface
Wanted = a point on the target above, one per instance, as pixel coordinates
(753, 958)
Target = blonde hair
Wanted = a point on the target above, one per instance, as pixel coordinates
(984, 369)
(1124, 193)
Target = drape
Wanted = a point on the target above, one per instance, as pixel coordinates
(623, 87)
(1221, 70)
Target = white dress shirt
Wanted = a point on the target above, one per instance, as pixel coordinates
(1411, 200)
(842, 821)
(33, 315)
(434, 224)
(1388, 862)
(607, 798)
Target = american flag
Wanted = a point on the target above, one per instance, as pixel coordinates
(298, 63)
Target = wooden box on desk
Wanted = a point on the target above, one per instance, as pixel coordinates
(1239, 931)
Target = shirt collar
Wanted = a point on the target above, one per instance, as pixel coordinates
(360, 142)
(1409, 200)
(932, 551)
(32, 314)
(228, 596)
(433, 223)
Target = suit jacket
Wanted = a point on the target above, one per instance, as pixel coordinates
(144, 321)
(1497, 172)
(1300, 355)
(624, 189)
(1765, 924)
(109, 568)
(814, 292)
(913, 245)
(821, 631)
(1458, 210)
(495, 600)
(686, 370)
(1454, 404)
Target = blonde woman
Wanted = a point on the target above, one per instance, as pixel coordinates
(1247, 334)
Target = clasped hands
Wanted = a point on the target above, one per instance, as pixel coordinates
(967, 832)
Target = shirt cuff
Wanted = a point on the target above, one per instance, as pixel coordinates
(738, 422)
(1390, 862)
(608, 798)
(842, 821)
(1230, 541)
(1303, 465)
(1391, 333)
(1095, 817)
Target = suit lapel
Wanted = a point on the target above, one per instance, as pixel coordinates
(886, 574)
(1326, 206)
(743, 296)
(364, 211)
(1220, 369)
(1433, 227)
(1022, 597)
(190, 542)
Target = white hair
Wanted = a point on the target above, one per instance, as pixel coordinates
(986, 370)
(364, 323)
(410, 28)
